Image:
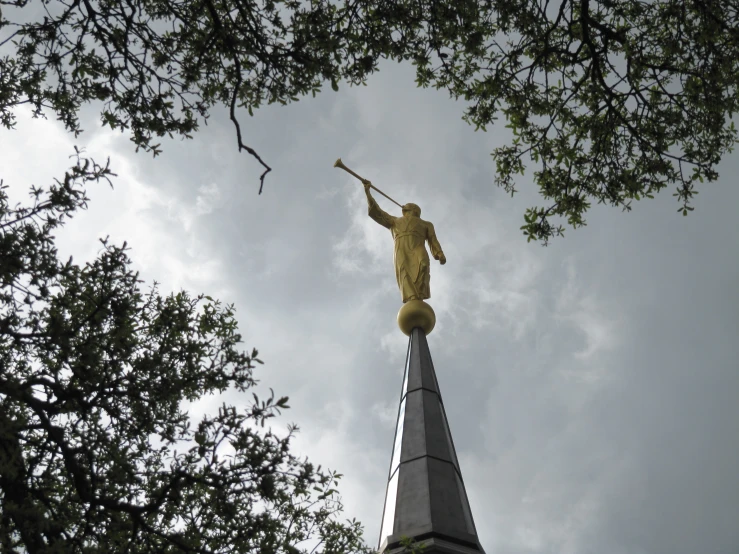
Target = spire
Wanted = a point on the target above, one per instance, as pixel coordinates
(425, 499)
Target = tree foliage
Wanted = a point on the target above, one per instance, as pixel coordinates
(97, 453)
(159, 67)
(611, 100)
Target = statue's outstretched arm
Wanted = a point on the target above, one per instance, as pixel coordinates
(377, 213)
(436, 250)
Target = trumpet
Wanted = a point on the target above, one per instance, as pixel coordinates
(340, 164)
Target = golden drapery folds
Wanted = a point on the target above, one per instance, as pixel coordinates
(410, 234)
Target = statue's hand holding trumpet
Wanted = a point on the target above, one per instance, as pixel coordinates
(367, 185)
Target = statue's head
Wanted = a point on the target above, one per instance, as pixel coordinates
(412, 209)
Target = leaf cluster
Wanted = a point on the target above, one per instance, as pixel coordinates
(97, 452)
(612, 101)
(160, 67)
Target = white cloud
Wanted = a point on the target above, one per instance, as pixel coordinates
(366, 247)
(386, 412)
(597, 321)
(208, 197)
(165, 245)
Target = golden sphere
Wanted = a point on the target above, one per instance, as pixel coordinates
(416, 313)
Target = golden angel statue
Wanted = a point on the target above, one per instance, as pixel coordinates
(410, 232)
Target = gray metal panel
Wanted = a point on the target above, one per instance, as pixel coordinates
(438, 439)
(404, 386)
(428, 375)
(388, 513)
(448, 500)
(413, 504)
(421, 534)
(399, 434)
(449, 439)
(414, 433)
(421, 369)
(437, 545)
(466, 507)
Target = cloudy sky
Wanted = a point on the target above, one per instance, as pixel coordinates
(590, 386)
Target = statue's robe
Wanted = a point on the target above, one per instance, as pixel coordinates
(411, 259)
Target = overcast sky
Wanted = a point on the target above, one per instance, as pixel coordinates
(591, 386)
